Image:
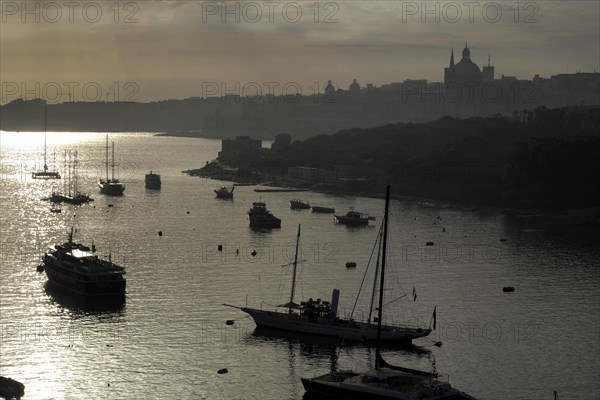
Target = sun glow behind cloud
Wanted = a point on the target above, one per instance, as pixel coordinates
(169, 48)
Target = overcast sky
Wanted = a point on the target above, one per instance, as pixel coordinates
(178, 49)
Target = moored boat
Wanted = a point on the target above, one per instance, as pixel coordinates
(323, 209)
(317, 317)
(45, 173)
(297, 204)
(261, 218)
(112, 186)
(385, 381)
(71, 194)
(224, 193)
(353, 218)
(152, 181)
(76, 269)
(11, 389)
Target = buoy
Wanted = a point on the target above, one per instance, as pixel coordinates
(438, 344)
(429, 243)
(159, 233)
(508, 289)
(350, 264)
(40, 268)
(229, 322)
(443, 229)
(253, 253)
(222, 371)
(237, 251)
(188, 212)
(220, 247)
(108, 384)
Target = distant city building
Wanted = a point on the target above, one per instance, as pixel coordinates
(282, 141)
(354, 87)
(329, 89)
(465, 71)
(242, 148)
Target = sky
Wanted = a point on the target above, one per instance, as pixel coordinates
(157, 50)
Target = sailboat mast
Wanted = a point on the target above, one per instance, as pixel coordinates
(381, 287)
(106, 159)
(375, 277)
(75, 174)
(45, 120)
(294, 273)
(113, 162)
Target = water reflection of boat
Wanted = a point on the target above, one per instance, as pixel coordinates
(224, 193)
(152, 181)
(385, 381)
(261, 218)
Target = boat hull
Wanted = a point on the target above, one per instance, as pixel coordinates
(111, 188)
(66, 283)
(153, 183)
(323, 210)
(223, 195)
(341, 219)
(341, 329)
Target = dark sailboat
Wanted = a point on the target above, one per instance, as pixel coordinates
(112, 186)
(385, 382)
(45, 174)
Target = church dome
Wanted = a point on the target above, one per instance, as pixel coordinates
(466, 67)
(329, 89)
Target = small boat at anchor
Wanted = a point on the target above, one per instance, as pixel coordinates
(385, 381)
(11, 389)
(261, 218)
(112, 186)
(224, 193)
(323, 210)
(353, 218)
(45, 173)
(152, 181)
(77, 270)
(297, 204)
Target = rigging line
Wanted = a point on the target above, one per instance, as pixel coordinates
(366, 269)
(376, 245)
(410, 271)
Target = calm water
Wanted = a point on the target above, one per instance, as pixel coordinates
(170, 338)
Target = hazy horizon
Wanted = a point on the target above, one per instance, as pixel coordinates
(149, 51)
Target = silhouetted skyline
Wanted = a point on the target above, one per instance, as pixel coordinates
(149, 51)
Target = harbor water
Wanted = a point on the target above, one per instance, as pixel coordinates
(170, 337)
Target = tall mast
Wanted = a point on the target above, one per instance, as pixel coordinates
(294, 274)
(106, 162)
(375, 277)
(112, 177)
(381, 287)
(75, 174)
(45, 165)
